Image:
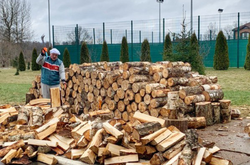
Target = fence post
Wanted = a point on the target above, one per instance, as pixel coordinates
(199, 28)
(152, 37)
(132, 45)
(126, 34)
(53, 36)
(238, 41)
(163, 29)
(77, 42)
(94, 35)
(103, 31)
(111, 36)
(139, 36)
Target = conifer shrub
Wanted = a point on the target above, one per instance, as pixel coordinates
(168, 49)
(145, 51)
(124, 56)
(84, 53)
(247, 61)
(21, 63)
(66, 58)
(34, 65)
(105, 53)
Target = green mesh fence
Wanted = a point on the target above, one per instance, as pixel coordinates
(206, 28)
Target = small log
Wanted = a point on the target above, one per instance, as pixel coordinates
(225, 104)
(173, 151)
(157, 159)
(114, 149)
(204, 109)
(197, 122)
(173, 81)
(136, 87)
(153, 86)
(146, 118)
(213, 95)
(138, 78)
(187, 91)
(216, 112)
(157, 102)
(194, 99)
(23, 116)
(36, 116)
(15, 146)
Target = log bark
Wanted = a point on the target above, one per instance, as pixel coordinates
(154, 86)
(156, 102)
(187, 91)
(213, 95)
(160, 93)
(216, 112)
(197, 122)
(177, 81)
(204, 109)
(194, 99)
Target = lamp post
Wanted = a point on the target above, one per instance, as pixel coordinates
(160, 1)
(49, 22)
(220, 11)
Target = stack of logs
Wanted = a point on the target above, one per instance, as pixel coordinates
(168, 90)
(95, 140)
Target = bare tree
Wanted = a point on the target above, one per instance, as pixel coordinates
(83, 36)
(211, 32)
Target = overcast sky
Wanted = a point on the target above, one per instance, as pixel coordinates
(71, 12)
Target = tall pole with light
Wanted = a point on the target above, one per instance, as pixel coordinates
(160, 1)
(49, 22)
(220, 11)
(191, 29)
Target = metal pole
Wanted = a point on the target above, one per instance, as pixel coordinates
(191, 30)
(132, 41)
(139, 36)
(103, 29)
(152, 37)
(94, 35)
(159, 22)
(198, 28)
(49, 22)
(53, 35)
(219, 21)
(163, 30)
(111, 36)
(238, 41)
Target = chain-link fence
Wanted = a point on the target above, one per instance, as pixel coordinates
(206, 28)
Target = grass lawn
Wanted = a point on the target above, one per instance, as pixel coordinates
(234, 82)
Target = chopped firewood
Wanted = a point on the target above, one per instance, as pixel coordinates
(43, 149)
(145, 129)
(207, 156)
(197, 122)
(19, 153)
(161, 137)
(214, 149)
(83, 142)
(88, 156)
(220, 161)
(112, 139)
(48, 131)
(200, 155)
(55, 97)
(141, 163)
(96, 141)
(58, 150)
(79, 131)
(47, 159)
(22, 161)
(76, 153)
(124, 152)
(39, 102)
(122, 159)
(112, 130)
(9, 156)
(181, 124)
(146, 139)
(46, 125)
(114, 149)
(99, 112)
(170, 141)
(16, 145)
(146, 118)
(173, 161)
(157, 159)
(59, 142)
(171, 152)
(37, 142)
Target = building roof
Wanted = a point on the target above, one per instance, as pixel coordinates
(245, 26)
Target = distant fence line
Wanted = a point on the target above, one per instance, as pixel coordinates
(206, 28)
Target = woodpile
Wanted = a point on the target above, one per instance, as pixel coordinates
(93, 139)
(166, 90)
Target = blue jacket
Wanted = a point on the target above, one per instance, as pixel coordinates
(52, 71)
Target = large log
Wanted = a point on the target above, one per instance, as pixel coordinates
(204, 109)
(194, 99)
(187, 91)
(154, 86)
(216, 112)
(177, 81)
(139, 78)
(146, 118)
(197, 122)
(156, 102)
(213, 95)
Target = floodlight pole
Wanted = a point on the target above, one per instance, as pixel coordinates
(49, 22)
(160, 1)
(220, 11)
(191, 29)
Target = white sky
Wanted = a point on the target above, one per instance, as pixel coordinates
(65, 12)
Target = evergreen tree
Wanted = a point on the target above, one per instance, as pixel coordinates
(221, 58)
(34, 65)
(168, 50)
(247, 61)
(21, 63)
(105, 53)
(28, 67)
(145, 51)
(66, 58)
(124, 56)
(17, 71)
(15, 62)
(195, 57)
(84, 53)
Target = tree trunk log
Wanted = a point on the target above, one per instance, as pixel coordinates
(213, 95)
(204, 109)
(154, 86)
(194, 99)
(196, 122)
(187, 91)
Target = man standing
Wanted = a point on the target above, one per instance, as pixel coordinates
(52, 71)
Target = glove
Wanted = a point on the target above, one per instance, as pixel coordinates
(43, 51)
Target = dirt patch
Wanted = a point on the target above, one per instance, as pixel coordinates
(244, 109)
(230, 137)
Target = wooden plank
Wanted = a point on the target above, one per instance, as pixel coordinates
(37, 142)
(170, 141)
(122, 159)
(200, 155)
(55, 97)
(47, 159)
(146, 139)
(146, 118)
(112, 130)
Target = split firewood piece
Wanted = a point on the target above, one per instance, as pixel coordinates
(112, 130)
(196, 122)
(122, 159)
(9, 156)
(114, 149)
(37, 142)
(145, 129)
(141, 163)
(146, 139)
(124, 152)
(88, 156)
(213, 95)
(48, 131)
(214, 149)
(23, 160)
(46, 125)
(47, 159)
(60, 143)
(207, 156)
(161, 137)
(220, 161)
(41, 101)
(30, 151)
(6, 116)
(157, 159)
(188, 91)
(19, 153)
(171, 152)
(174, 138)
(55, 97)
(96, 141)
(200, 155)
(204, 109)
(16, 146)
(76, 153)
(99, 112)
(78, 131)
(173, 161)
(146, 118)
(194, 99)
